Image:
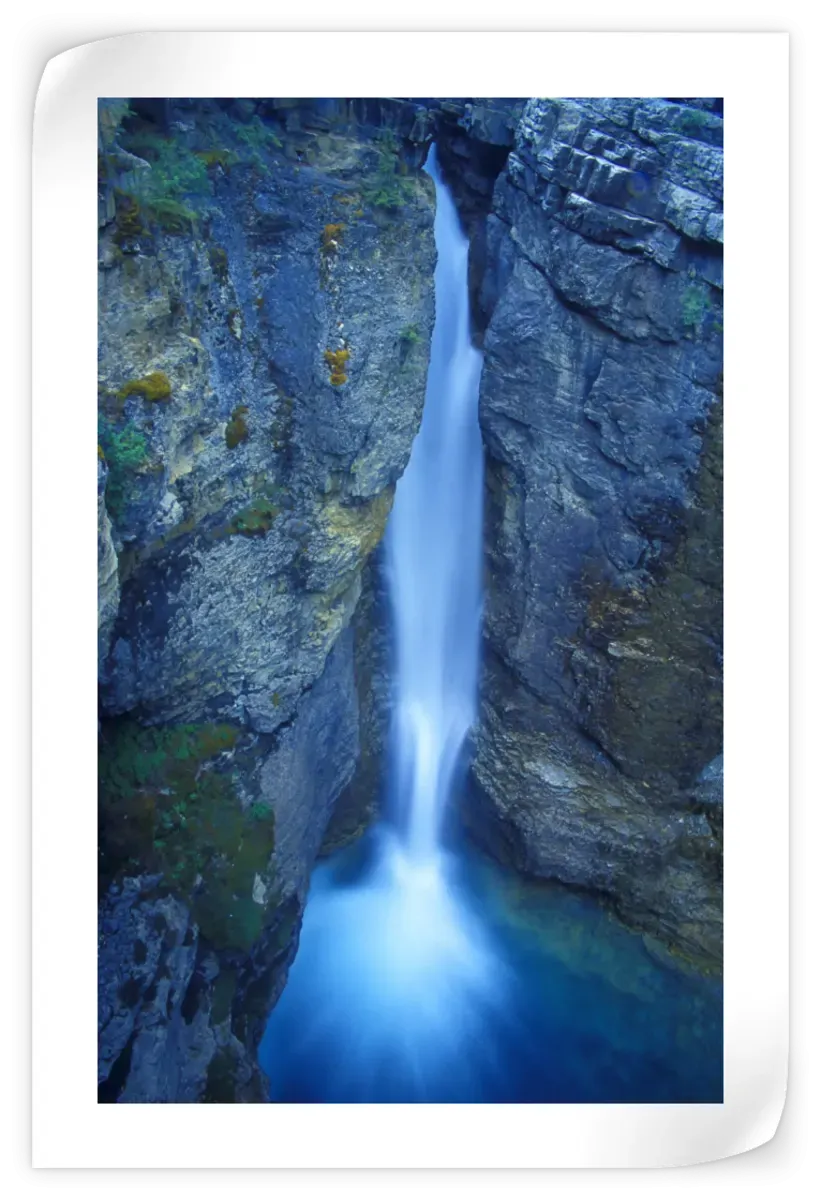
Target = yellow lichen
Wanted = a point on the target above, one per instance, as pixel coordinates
(335, 361)
(359, 527)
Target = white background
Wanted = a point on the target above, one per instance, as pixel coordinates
(756, 319)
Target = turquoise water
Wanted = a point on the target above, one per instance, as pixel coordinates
(500, 990)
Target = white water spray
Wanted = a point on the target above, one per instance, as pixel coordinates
(394, 973)
(434, 554)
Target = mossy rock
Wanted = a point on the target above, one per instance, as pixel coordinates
(128, 219)
(255, 520)
(155, 387)
(125, 452)
(218, 259)
(167, 807)
(236, 430)
(172, 216)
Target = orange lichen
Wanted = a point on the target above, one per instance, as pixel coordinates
(330, 238)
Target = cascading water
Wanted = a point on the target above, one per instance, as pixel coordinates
(405, 964)
(423, 975)
(434, 554)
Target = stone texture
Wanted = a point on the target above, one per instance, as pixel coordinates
(359, 802)
(108, 585)
(601, 415)
(238, 509)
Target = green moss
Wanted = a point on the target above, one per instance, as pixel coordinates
(125, 453)
(257, 140)
(155, 387)
(167, 806)
(236, 430)
(256, 519)
(171, 215)
(389, 186)
(176, 171)
(694, 305)
(693, 121)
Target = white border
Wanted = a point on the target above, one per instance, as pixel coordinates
(69, 1128)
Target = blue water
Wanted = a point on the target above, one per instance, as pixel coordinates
(425, 972)
(561, 1004)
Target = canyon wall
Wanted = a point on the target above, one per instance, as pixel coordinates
(599, 299)
(265, 310)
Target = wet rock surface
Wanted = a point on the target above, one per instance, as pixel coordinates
(601, 415)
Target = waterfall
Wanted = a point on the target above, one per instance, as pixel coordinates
(434, 553)
(390, 988)
(427, 974)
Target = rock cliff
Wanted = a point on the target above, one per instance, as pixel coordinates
(265, 305)
(600, 294)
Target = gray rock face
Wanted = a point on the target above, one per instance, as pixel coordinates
(601, 415)
(262, 361)
(108, 585)
(314, 759)
(240, 562)
(358, 803)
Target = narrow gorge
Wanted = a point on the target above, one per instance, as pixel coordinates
(266, 313)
